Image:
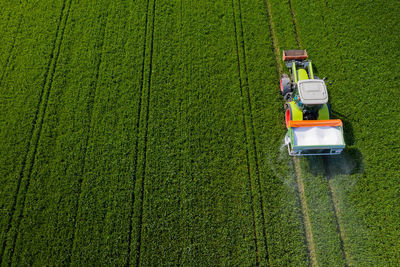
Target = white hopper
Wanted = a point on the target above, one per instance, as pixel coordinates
(317, 136)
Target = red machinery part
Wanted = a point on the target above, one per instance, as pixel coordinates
(314, 123)
(294, 55)
(287, 118)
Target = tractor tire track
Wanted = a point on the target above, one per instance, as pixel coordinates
(294, 21)
(137, 136)
(295, 161)
(36, 131)
(92, 97)
(254, 147)
(253, 133)
(305, 213)
(245, 138)
(275, 46)
(335, 210)
(143, 175)
(139, 110)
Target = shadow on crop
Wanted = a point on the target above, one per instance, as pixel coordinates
(349, 162)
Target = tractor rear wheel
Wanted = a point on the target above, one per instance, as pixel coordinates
(288, 116)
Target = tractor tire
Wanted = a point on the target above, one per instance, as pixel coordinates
(288, 115)
(288, 97)
(285, 85)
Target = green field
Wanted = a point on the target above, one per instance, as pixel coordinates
(151, 133)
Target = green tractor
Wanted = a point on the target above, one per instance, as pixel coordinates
(311, 130)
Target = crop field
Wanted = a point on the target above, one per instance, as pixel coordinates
(150, 133)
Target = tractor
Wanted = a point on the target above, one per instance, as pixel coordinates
(311, 129)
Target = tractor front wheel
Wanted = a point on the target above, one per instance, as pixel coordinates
(285, 85)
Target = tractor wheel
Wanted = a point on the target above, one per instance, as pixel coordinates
(288, 96)
(281, 85)
(288, 116)
(285, 85)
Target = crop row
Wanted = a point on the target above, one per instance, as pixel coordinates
(266, 193)
(150, 132)
(196, 208)
(113, 150)
(153, 141)
(197, 199)
(91, 91)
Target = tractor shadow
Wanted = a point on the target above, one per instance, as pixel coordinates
(349, 162)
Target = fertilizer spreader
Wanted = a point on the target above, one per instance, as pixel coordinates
(311, 131)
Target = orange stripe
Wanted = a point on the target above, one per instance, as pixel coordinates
(313, 123)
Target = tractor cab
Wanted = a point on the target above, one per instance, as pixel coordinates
(310, 96)
(312, 92)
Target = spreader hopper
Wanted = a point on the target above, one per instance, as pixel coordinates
(315, 137)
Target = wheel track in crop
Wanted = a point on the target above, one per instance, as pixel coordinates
(332, 192)
(139, 230)
(245, 137)
(295, 161)
(246, 95)
(296, 29)
(145, 142)
(92, 97)
(35, 132)
(137, 136)
(335, 210)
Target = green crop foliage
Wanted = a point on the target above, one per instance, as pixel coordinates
(23, 87)
(151, 133)
(10, 25)
(104, 214)
(194, 133)
(284, 230)
(57, 169)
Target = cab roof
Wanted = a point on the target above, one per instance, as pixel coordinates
(313, 92)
